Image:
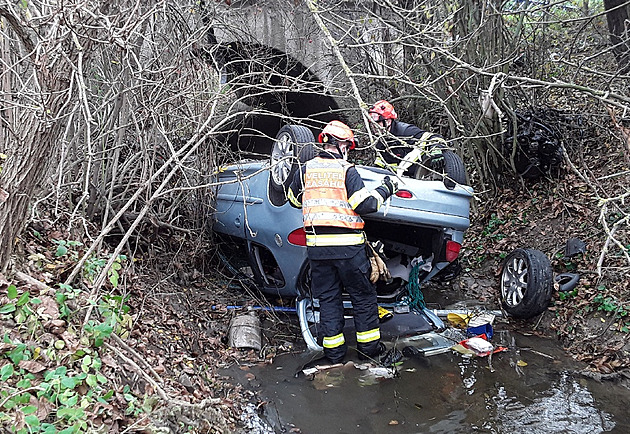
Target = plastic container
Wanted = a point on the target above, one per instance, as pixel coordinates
(245, 332)
(483, 329)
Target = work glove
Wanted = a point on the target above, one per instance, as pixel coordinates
(374, 273)
(379, 268)
(390, 185)
(437, 159)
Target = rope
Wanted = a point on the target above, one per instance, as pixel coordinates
(416, 298)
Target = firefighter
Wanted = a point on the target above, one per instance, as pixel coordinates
(333, 197)
(407, 144)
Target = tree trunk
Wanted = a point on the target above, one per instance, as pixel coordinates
(30, 130)
(618, 26)
(30, 152)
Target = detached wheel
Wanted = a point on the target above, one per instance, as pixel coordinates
(292, 146)
(454, 171)
(526, 283)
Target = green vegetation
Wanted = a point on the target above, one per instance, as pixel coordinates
(492, 228)
(612, 306)
(52, 370)
(568, 264)
(568, 294)
(93, 265)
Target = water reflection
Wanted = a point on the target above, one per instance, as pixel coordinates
(566, 407)
(527, 389)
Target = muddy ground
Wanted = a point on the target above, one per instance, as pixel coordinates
(182, 326)
(176, 343)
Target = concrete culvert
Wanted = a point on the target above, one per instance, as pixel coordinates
(273, 87)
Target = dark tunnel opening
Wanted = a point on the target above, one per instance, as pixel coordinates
(276, 89)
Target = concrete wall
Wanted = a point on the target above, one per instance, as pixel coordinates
(288, 26)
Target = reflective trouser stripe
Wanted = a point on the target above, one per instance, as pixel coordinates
(334, 341)
(368, 336)
(334, 240)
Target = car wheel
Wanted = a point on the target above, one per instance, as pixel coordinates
(293, 145)
(526, 283)
(453, 172)
(308, 315)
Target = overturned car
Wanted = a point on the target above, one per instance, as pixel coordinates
(421, 228)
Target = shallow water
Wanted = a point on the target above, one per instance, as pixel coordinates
(530, 388)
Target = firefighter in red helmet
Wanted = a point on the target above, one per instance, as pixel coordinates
(407, 144)
(333, 197)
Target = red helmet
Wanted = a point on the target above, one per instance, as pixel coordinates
(337, 130)
(382, 110)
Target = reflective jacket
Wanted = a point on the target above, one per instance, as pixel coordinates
(326, 236)
(325, 200)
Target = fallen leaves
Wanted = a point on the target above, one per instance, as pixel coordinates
(31, 366)
(48, 308)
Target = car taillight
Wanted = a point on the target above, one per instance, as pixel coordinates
(297, 237)
(405, 194)
(452, 250)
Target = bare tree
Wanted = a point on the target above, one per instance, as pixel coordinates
(619, 28)
(132, 98)
(111, 93)
(143, 93)
(40, 66)
(478, 72)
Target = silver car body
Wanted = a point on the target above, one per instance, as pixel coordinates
(244, 212)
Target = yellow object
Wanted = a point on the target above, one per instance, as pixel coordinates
(384, 314)
(458, 319)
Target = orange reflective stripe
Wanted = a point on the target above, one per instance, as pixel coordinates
(325, 199)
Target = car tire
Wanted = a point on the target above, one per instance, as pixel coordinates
(308, 316)
(292, 146)
(453, 172)
(526, 283)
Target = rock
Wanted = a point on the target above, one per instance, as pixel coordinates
(185, 381)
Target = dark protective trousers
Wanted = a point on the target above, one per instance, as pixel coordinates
(329, 279)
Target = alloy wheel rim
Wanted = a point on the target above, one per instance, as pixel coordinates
(281, 158)
(514, 281)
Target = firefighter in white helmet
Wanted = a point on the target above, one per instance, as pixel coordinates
(333, 197)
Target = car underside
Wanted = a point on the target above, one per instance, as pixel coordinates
(262, 239)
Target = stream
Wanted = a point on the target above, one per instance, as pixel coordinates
(531, 387)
